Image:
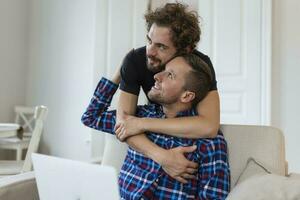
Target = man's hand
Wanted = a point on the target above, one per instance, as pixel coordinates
(175, 164)
(128, 127)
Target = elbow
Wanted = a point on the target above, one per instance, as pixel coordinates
(211, 132)
(211, 128)
(207, 132)
(85, 120)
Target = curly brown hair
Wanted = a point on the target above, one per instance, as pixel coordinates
(184, 24)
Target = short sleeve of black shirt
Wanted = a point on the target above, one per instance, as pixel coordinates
(129, 73)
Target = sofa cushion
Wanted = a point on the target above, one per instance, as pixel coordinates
(252, 168)
(266, 187)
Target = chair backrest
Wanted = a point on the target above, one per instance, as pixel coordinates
(25, 117)
(263, 143)
(21, 186)
(39, 116)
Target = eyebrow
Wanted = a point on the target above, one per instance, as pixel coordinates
(157, 44)
(172, 72)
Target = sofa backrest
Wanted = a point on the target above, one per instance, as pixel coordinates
(263, 143)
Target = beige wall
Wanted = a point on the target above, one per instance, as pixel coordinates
(13, 55)
(285, 75)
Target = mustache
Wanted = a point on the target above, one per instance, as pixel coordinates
(153, 58)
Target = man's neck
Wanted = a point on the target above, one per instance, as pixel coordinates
(171, 110)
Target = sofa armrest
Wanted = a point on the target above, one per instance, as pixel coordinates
(20, 186)
(294, 176)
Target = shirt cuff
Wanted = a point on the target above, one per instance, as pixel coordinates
(106, 88)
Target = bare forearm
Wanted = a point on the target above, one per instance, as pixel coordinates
(140, 143)
(143, 145)
(204, 125)
(187, 127)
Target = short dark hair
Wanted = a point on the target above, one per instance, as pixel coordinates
(199, 79)
(184, 25)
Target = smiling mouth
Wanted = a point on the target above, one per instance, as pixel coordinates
(151, 61)
(155, 86)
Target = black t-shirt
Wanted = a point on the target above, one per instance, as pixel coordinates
(135, 74)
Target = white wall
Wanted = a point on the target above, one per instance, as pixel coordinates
(62, 42)
(63, 68)
(286, 72)
(13, 56)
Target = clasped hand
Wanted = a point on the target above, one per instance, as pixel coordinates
(173, 161)
(128, 127)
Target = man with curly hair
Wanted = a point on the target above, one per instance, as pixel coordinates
(172, 30)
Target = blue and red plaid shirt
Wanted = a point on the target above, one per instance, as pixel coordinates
(141, 177)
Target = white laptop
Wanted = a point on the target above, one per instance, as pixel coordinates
(62, 179)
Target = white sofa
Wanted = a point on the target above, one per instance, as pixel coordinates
(261, 143)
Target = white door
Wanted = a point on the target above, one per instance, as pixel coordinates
(236, 36)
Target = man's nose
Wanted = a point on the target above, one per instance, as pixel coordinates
(151, 50)
(158, 76)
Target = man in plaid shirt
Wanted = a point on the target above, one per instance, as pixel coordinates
(143, 178)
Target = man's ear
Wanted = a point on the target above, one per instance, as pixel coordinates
(187, 97)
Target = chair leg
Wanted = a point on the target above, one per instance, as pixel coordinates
(19, 154)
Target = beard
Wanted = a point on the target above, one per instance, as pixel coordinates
(154, 97)
(155, 68)
(158, 98)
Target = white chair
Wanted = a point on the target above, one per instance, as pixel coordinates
(9, 167)
(24, 117)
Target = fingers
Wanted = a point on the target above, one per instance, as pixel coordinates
(187, 176)
(191, 164)
(120, 133)
(117, 126)
(180, 179)
(118, 130)
(183, 178)
(191, 170)
(188, 149)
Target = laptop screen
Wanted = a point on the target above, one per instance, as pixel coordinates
(63, 179)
